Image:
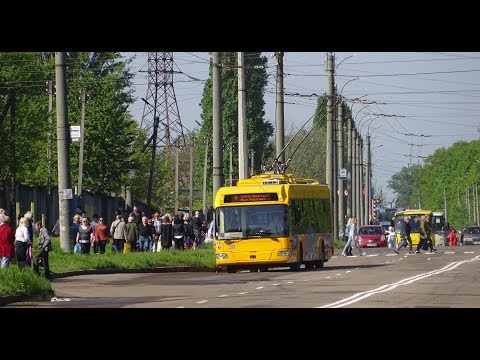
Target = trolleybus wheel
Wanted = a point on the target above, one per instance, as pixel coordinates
(319, 263)
(296, 266)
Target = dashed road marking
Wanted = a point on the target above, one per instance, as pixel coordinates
(243, 293)
(469, 252)
(337, 274)
(327, 277)
(259, 287)
(289, 282)
(223, 295)
(348, 271)
(202, 302)
(276, 284)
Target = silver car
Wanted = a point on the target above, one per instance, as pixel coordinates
(471, 235)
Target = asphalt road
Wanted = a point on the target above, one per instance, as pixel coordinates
(449, 278)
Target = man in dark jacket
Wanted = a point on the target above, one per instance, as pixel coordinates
(405, 235)
(44, 246)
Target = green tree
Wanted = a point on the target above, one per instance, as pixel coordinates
(258, 129)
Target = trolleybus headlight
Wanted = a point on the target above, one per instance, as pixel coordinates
(221, 256)
(284, 253)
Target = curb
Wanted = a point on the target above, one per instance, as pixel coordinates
(162, 269)
(5, 300)
(44, 296)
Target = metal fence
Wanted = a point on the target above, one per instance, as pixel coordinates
(44, 205)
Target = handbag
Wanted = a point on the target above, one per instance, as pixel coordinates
(77, 248)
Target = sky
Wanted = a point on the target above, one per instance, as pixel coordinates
(429, 99)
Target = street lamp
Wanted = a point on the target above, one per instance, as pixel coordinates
(348, 57)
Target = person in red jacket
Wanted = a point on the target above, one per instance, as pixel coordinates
(7, 240)
(453, 238)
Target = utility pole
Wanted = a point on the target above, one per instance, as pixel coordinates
(176, 177)
(341, 202)
(190, 203)
(49, 139)
(279, 110)
(368, 202)
(252, 162)
(329, 150)
(231, 164)
(445, 204)
(204, 206)
(476, 203)
(217, 167)
(242, 121)
(82, 137)
(63, 143)
(349, 167)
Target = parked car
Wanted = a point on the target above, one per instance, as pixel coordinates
(471, 235)
(371, 236)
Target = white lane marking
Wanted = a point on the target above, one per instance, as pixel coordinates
(337, 274)
(180, 307)
(449, 252)
(372, 255)
(243, 293)
(327, 277)
(289, 282)
(276, 284)
(362, 295)
(201, 302)
(348, 271)
(223, 295)
(469, 252)
(391, 255)
(259, 287)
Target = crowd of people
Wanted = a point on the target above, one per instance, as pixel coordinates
(16, 242)
(135, 232)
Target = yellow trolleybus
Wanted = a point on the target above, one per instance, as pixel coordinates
(273, 220)
(414, 222)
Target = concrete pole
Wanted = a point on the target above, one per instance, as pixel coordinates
(334, 162)
(354, 173)
(63, 142)
(190, 203)
(217, 131)
(349, 167)
(242, 121)
(329, 149)
(252, 161)
(204, 204)
(279, 110)
(359, 180)
(50, 136)
(231, 164)
(176, 176)
(341, 197)
(82, 140)
(368, 202)
(362, 184)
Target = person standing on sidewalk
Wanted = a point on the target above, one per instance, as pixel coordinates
(44, 246)
(7, 241)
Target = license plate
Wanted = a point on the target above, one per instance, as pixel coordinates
(372, 245)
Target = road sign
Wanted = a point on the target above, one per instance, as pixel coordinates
(342, 174)
(75, 132)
